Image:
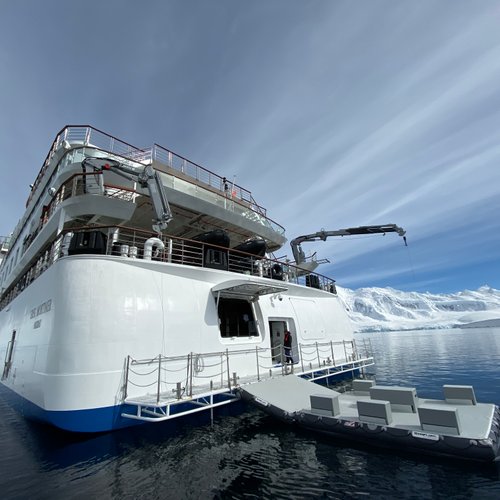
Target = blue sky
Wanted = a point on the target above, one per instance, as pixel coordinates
(333, 113)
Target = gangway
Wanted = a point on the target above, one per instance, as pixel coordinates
(149, 410)
(183, 385)
(283, 397)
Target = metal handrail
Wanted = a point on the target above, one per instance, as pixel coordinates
(91, 136)
(187, 251)
(193, 382)
(177, 250)
(202, 174)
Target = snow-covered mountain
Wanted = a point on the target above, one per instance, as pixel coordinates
(379, 309)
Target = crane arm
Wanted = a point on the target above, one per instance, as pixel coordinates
(147, 178)
(299, 255)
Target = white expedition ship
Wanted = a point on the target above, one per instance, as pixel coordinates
(139, 287)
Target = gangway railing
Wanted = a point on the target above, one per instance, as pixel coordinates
(166, 387)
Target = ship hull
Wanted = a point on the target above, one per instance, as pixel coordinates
(79, 323)
(98, 420)
(82, 421)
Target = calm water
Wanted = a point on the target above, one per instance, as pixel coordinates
(252, 456)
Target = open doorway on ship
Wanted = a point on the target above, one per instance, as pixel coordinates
(277, 327)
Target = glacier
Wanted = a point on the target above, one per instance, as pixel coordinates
(387, 309)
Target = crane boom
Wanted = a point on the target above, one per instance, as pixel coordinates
(147, 178)
(299, 255)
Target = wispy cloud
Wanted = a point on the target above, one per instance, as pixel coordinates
(334, 114)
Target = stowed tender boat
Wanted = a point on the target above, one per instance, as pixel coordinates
(105, 323)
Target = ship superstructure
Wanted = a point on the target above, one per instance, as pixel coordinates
(140, 286)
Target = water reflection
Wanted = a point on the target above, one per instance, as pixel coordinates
(428, 359)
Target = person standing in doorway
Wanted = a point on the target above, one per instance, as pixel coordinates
(287, 344)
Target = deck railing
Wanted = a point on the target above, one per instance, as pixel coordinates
(129, 243)
(201, 174)
(90, 136)
(168, 378)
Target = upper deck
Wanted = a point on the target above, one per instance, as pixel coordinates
(189, 177)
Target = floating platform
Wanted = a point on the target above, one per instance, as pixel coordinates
(386, 416)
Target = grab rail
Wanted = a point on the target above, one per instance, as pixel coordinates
(179, 377)
(176, 250)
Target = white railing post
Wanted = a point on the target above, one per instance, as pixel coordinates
(159, 380)
(221, 370)
(333, 355)
(87, 136)
(228, 373)
(354, 350)
(170, 249)
(125, 388)
(191, 376)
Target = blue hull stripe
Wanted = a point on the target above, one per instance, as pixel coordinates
(102, 419)
(99, 419)
(93, 420)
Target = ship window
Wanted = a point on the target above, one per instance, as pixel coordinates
(236, 318)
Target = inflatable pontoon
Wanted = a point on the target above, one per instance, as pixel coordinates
(386, 416)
